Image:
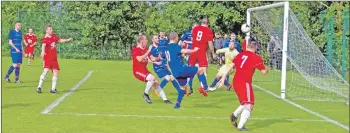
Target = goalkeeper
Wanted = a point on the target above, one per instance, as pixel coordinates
(230, 54)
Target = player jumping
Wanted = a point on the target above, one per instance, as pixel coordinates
(139, 68)
(230, 54)
(180, 70)
(15, 41)
(202, 37)
(246, 63)
(49, 54)
(30, 41)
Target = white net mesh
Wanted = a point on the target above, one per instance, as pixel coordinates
(309, 75)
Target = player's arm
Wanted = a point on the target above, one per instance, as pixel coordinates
(223, 50)
(188, 51)
(25, 41)
(183, 37)
(260, 65)
(35, 41)
(211, 47)
(65, 40)
(153, 58)
(11, 43)
(140, 58)
(43, 46)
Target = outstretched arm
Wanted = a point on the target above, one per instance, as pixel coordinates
(65, 40)
(188, 51)
(223, 50)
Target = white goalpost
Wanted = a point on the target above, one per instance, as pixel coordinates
(297, 67)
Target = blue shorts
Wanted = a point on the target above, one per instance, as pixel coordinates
(16, 58)
(188, 72)
(162, 72)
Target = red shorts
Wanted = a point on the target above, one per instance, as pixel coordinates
(244, 91)
(51, 64)
(29, 50)
(141, 75)
(200, 58)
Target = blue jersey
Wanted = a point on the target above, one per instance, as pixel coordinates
(155, 51)
(173, 55)
(163, 42)
(187, 37)
(237, 45)
(16, 38)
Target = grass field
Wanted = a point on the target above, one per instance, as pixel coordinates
(110, 101)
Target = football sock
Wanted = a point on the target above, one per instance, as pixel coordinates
(17, 73)
(9, 71)
(42, 78)
(54, 82)
(29, 60)
(238, 111)
(214, 82)
(161, 93)
(163, 83)
(148, 86)
(244, 118)
(203, 79)
(190, 81)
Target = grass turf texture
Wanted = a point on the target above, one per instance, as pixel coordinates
(112, 91)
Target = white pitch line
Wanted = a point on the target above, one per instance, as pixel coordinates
(303, 108)
(59, 100)
(183, 117)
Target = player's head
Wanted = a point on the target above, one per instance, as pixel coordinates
(48, 29)
(18, 25)
(194, 25)
(205, 21)
(217, 35)
(252, 46)
(231, 45)
(173, 37)
(142, 41)
(225, 36)
(155, 39)
(30, 30)
(162, 34)
(233, 36)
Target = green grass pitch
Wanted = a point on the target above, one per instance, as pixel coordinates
(110, 102)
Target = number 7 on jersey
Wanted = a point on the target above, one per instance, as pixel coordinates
(244, 57)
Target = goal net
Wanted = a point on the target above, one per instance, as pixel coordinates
(303, 73)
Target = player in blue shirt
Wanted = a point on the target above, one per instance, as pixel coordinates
(160, 68)
(233, 37)
(15, 41)
(163, 42)
(186, 39)
(180, 70)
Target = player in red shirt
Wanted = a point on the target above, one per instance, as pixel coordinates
(202, 36)
(30, 42)
(246, 63)
(49, 53)
(139, 68)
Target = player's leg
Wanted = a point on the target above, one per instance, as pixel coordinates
(247, 99)
(54, 80)
(182, 81)
(160, 91)
(191, 62)
(216, 80)
(42, 79)
(17, 68)
(14, 57)
(149, 79)
(29, 58)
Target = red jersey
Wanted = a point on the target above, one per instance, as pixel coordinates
(245, 63)
(201, 35)
(50, 49)
(30, 39)
(136, 65)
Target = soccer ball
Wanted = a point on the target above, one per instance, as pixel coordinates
(245, 28)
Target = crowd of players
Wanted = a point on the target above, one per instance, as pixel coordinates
(166, 56)
(164, 53)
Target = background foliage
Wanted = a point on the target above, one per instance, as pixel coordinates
(107, 30)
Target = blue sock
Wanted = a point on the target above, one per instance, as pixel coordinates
(203, 79)
(226, 80)
(9, 71)
(180, 93)
(190, 82)
(17, 73)
(214, 82)
(163, 83)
